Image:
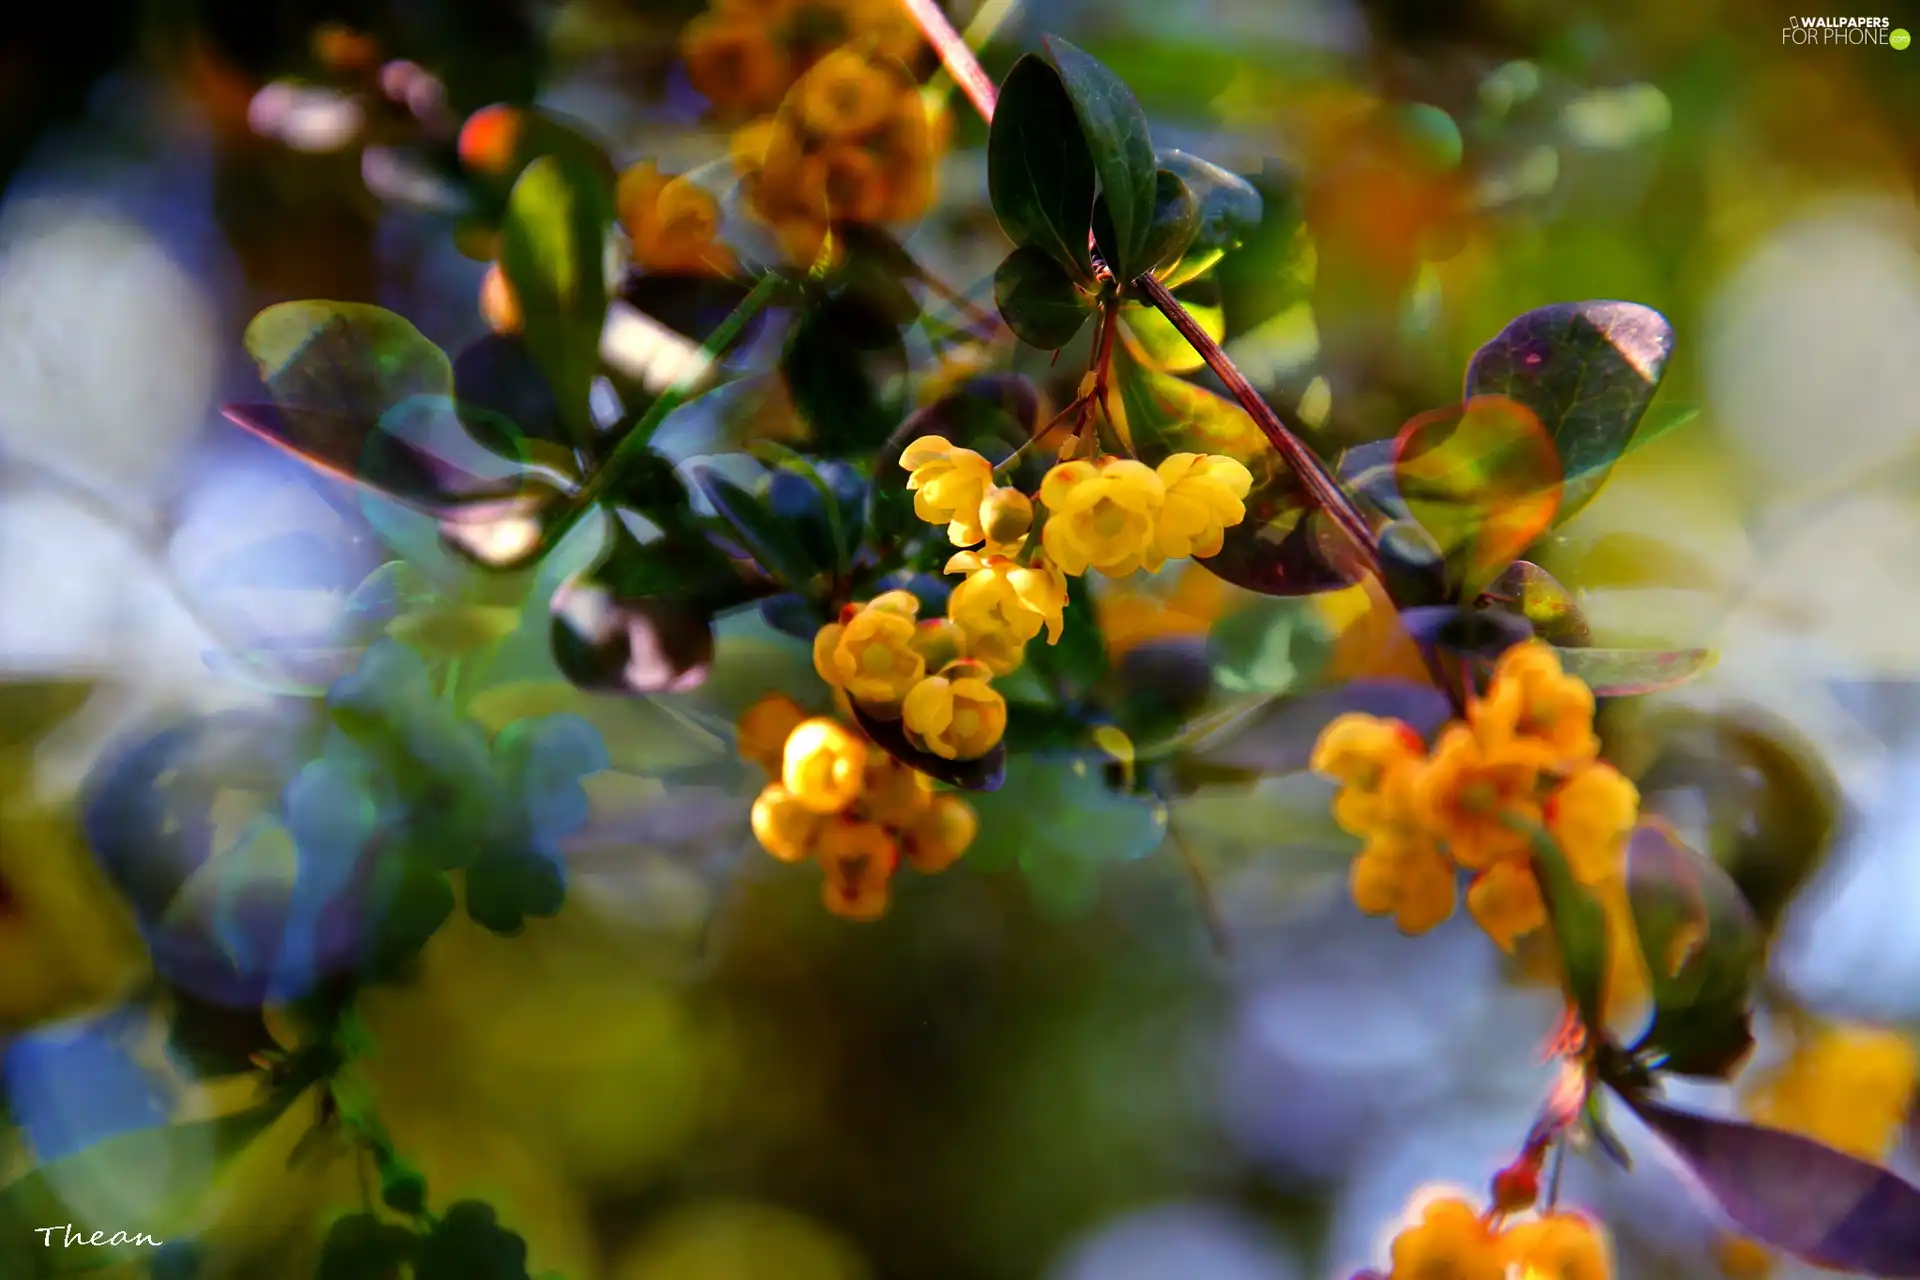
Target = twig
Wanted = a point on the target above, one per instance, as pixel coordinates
(1203, 892)
(955, 56)
(1320, 485)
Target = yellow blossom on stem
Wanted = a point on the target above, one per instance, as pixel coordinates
(1103, 515)
(1406, 877)
(734, 63)
(1534, 709)
(1590, 816)
(871, 653)
(1003, 604)
(1364, 754)
(938, 834)
(858, 859)
(948, 484)
(845, 94)
(670, 222)
(784, 826)
(824, 765)
(956, 715)
(1505, 900)
(1558, 1246)
(1479, 801)
(761, 735)
(1204, 499)
(893, 793)
(1450, 1242)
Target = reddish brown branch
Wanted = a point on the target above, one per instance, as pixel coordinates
(954, 55)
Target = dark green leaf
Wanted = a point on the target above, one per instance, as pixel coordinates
(1227, 209)
(1478, 635)
(1820, 1205)
(836, 357)
(553, 251)
(1367, 469)
(1618, 673)
(1537, 596)
(361, 1247)
(470, 1244)
(1703, 949)
(1412, 567)
(1176, 220)
(506, 885)
(758, 530)
(502, 396)
(1079, 660)
(1040, 173)
(210, 1040)
(411, 899)
(1059, 822)
(1115, 129)
(1278, 739)
(403, 1188)
(1579, 929)
(825, 502)
(1587, 370)
(984, 774)
(1041, 303)
(612, 644)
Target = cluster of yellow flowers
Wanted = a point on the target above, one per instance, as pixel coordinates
(1525, 758)
(859, 139)
(847, 804)
(1453, 1240)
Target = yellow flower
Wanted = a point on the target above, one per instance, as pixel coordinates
(948, 484)
(956, 715)
(1004, 604)
(761, 736)
(1505, 899)
(1450, 1242)
(1744, 1259)
(1558, 1246)
(1850, 1087)
(1102, 516)
(1591, 815)
(845, 94)
(1468, 796)
(1204, 500)
(670, 222)
(894, 793)
(1535, 709)
(871, 654)
(1005, 516)
(939, 834)
(734, 64)
(1406, 878)
(824, 766)
(747, 148)
(1372, 759)
(858, 858)
(784, 826)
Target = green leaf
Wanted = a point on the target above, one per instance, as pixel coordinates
(1152, 340)
(759, 532)
(1273, 646)
(836, 358)
(506, 885)
(1587, 371)
(1079, 661)
(160, 1174)
(1704, 952)
(1483, 478)
(361, 1247)
(641, 736)
(1579, 928)
(1176, 219)
(553, 251)
(1059, 822)
(1227, 212)
(470, 1244)
(403, 1188)
(1041, 303)
(1537, 596)
(1115, 129)
(1040, 172)
(1619, 673)
(449, 631)
(411, 899)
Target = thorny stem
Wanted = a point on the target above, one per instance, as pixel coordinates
(637, 440)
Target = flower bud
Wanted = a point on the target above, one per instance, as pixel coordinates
(1006, 515)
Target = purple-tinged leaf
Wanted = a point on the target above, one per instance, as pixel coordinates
(1278, 739)
(1537, 596)
(985, 773)
(1587, 370)
(1620, 673)
(1820, 1205)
